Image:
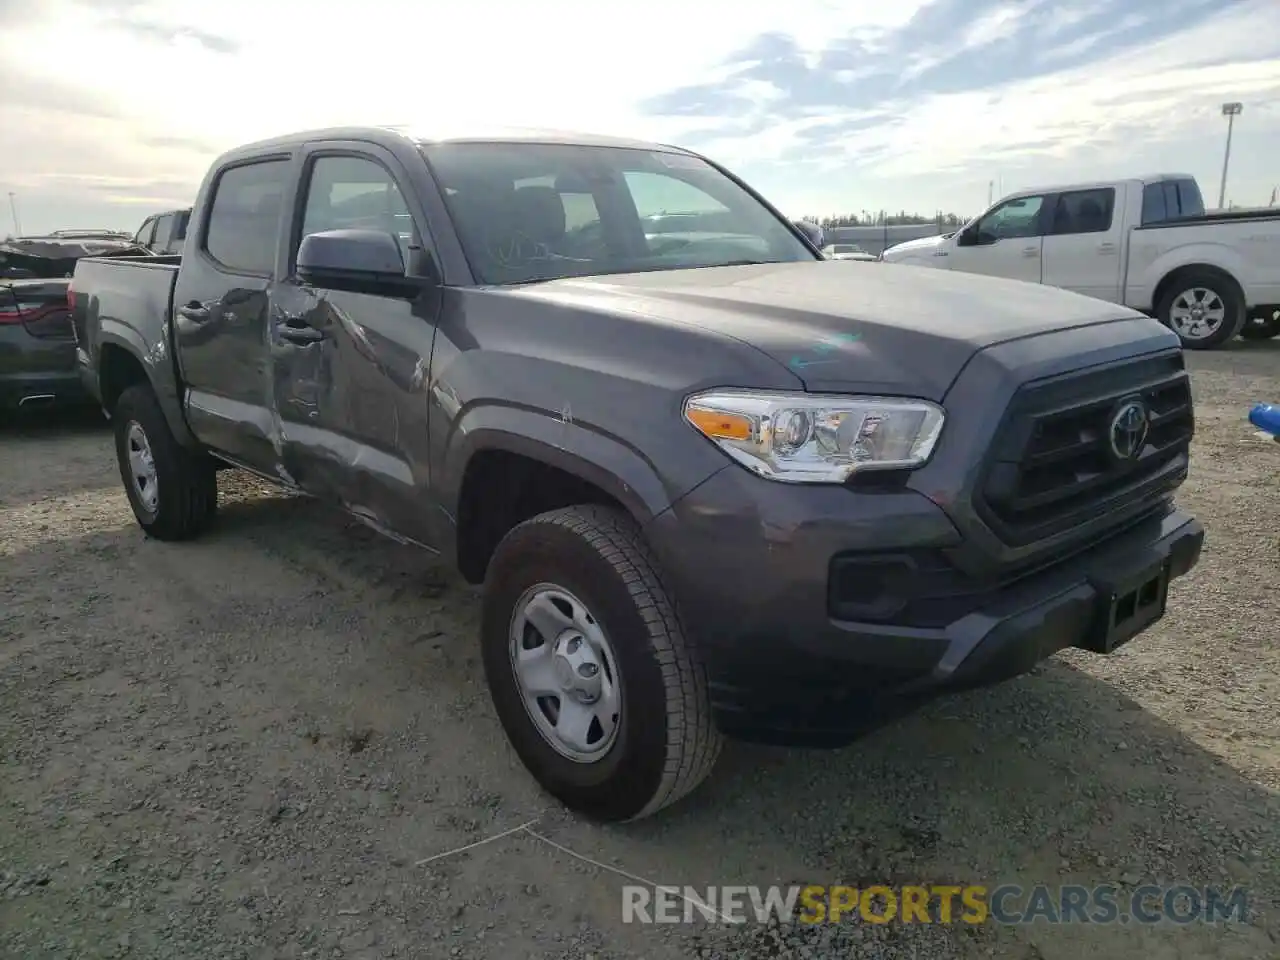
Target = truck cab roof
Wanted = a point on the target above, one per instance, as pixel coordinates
(1144, 180)
(387, 135)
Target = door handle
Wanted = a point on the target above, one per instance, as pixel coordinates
(1031, 251)
(940, 253)
(1106, 248)
(301, 335)
(194, 312)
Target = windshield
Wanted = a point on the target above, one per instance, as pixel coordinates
(532, 211)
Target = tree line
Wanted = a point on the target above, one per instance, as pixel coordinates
(884, 219)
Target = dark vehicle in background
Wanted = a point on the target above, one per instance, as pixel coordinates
(37, 341)
(90, 235)
(37, 346)
(711, 483)
(164, 233)
(55, 257)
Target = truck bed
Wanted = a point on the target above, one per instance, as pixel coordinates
(130, 296)
(1216, 216)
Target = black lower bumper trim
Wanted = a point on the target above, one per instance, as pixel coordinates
(875, 675)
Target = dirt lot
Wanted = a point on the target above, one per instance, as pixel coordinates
(243, 747)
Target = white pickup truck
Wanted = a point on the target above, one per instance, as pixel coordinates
(1146, 242)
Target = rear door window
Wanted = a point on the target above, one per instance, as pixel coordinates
(244, 216)
(1084, 211)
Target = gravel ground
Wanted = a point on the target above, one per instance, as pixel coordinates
(243, 747)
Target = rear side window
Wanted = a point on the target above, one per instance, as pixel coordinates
(244, 216)
(1154, 209)
(1084, 211)
(1190, 203)
(1171, 199)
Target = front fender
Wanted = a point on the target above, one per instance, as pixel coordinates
(603, 460)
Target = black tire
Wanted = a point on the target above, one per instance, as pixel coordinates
(186, 484)
(1223, 288)
(666, 743)
(1261, 327)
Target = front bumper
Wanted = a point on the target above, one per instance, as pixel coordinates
(783, 669)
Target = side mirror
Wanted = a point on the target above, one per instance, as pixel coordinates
(352, 259)
(812, 232)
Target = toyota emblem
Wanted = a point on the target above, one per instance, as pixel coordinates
(1128, 430)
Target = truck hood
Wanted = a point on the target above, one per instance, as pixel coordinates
(923, 245)
(843, 326)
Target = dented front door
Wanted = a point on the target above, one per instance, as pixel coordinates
(350, 370)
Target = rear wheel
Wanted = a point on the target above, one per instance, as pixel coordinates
(173, 492)
(598, 688)
(1203, 308)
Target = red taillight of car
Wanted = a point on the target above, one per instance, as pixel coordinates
(71, 298)
(9, 312)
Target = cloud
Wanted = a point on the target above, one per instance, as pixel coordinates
(50, 93)
(169, 34)
(823, 104)
(971, 90)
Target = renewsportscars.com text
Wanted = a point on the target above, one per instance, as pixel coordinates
(937, 903)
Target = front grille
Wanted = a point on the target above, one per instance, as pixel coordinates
(1051, 466)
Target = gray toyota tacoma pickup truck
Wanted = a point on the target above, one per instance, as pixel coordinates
(712, 483)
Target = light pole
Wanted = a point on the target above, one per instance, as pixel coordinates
(1230, 111)
(13, 209)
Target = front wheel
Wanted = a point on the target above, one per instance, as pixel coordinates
(1203, 309)
(173, 491)
(601, 693)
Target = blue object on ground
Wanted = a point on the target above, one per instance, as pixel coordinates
(1266, 416)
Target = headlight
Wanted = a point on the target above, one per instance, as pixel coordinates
(808, 438)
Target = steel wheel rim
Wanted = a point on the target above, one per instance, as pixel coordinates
(566, 673)
(142, 467)
(1197, 313)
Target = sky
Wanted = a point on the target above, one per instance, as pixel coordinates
(112, 109)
